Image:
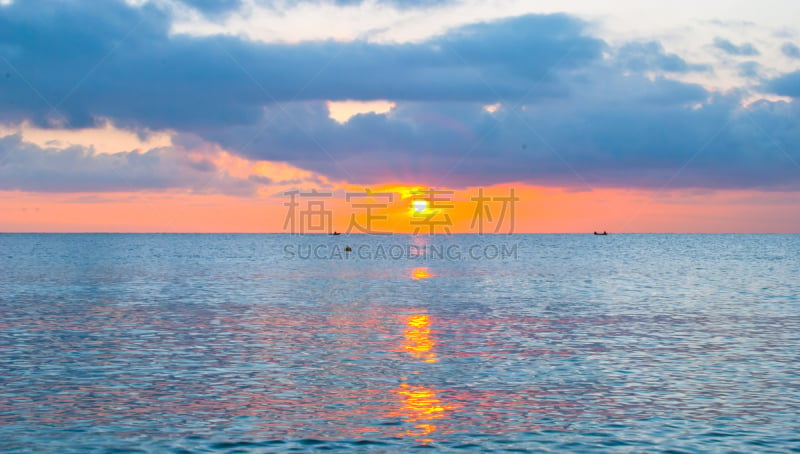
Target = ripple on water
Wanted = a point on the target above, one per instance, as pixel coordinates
(200, 343)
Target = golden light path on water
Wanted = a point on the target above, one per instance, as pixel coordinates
(418, 340)
(420, 405)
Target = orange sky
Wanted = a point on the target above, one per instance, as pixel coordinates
(539, 210)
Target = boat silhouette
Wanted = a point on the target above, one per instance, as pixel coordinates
(604, 233)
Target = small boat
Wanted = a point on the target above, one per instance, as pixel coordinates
(604, 233)
(335, 233)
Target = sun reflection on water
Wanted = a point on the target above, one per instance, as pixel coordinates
(418, 341)
(420, 405)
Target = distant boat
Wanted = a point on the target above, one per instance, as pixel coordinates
(335, 233)
(604, 233)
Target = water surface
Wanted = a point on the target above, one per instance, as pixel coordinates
(203, 343)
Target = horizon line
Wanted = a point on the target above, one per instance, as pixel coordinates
(383, 234)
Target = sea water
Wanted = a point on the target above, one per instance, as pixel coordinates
(262, 343)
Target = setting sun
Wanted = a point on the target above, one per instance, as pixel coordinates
(421, 273)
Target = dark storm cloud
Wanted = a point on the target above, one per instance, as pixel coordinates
(573, 111)
(741, 50)
(28, 167)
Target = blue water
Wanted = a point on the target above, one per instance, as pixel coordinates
(200, 343)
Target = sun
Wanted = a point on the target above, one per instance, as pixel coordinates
(419, 206)
(421, 273)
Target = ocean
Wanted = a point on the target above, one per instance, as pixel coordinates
(270, 343)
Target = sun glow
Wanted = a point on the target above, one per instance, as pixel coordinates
(421, 273)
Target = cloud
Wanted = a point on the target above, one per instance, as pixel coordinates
(733, 23)
(111, 60)
(573, 111)
(213, 7)
(216, 8)
(790, 50)
(650, 56)
(260, 179)
(785, 85)
(750, 69)
(622, 137)
(401, 4)
(28, 167)
(741, 50)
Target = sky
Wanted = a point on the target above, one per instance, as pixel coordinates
(207, 116)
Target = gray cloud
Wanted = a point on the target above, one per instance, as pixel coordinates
(650, 56)
(151, 79)
(790, 50)
(741, 50)
(566, 109)
(220, 8)
(28, 167)
(621, 137)
(399, 4)
(785, 85)
(750, 69)
(213, 7)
